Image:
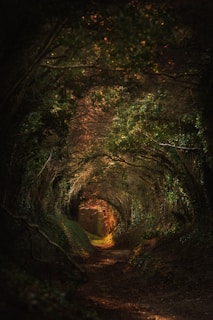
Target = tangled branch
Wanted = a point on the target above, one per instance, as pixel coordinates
(36, 228)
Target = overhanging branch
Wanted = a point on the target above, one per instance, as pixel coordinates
(178, 147)
(175, 77)
(46, 162)
(79, 66)
(71, 66)
(36, 228)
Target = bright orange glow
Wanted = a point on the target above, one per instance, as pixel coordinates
(96, 217)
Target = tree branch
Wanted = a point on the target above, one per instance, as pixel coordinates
(175, 77)
(36, 228)
(28, 73)
(44, 166)
(178, 147)
(74, 66)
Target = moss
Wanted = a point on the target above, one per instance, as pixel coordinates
(67, 233)
(76, 237)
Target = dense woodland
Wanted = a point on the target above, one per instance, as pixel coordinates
(104, 105)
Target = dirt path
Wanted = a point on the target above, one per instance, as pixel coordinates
(116, 291)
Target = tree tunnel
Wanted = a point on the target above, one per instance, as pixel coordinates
(104, 127)
(106, 142)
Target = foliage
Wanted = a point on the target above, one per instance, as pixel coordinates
(112, 43)
(147, 121)
(29, 295)
(113, 115)
(155, 138)
(111, 101)
(158, 262)
(65, 232)
(39, 151)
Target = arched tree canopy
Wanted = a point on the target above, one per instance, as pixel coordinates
(105, 101)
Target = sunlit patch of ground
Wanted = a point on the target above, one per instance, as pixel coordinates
(138, 311)
(101, 242)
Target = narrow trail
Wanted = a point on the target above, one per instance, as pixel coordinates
(108, 289)
(116, 291)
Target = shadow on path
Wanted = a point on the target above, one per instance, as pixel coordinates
(116, 291)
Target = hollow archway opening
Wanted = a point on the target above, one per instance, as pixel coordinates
(97, 217)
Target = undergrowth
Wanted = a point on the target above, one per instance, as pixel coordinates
(30, 298)
(175, 260)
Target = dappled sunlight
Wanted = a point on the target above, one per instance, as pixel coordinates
(119, 289)
(102, 242)
(107, 160)
(138, 310)
(117, 304)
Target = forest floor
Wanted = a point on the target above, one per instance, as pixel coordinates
(117, 290)
(174, 282)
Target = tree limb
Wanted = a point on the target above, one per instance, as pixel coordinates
(178, 147)
(36, 228)
(27, 75)
(44, 166)
(175, 77)
(74, 66)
